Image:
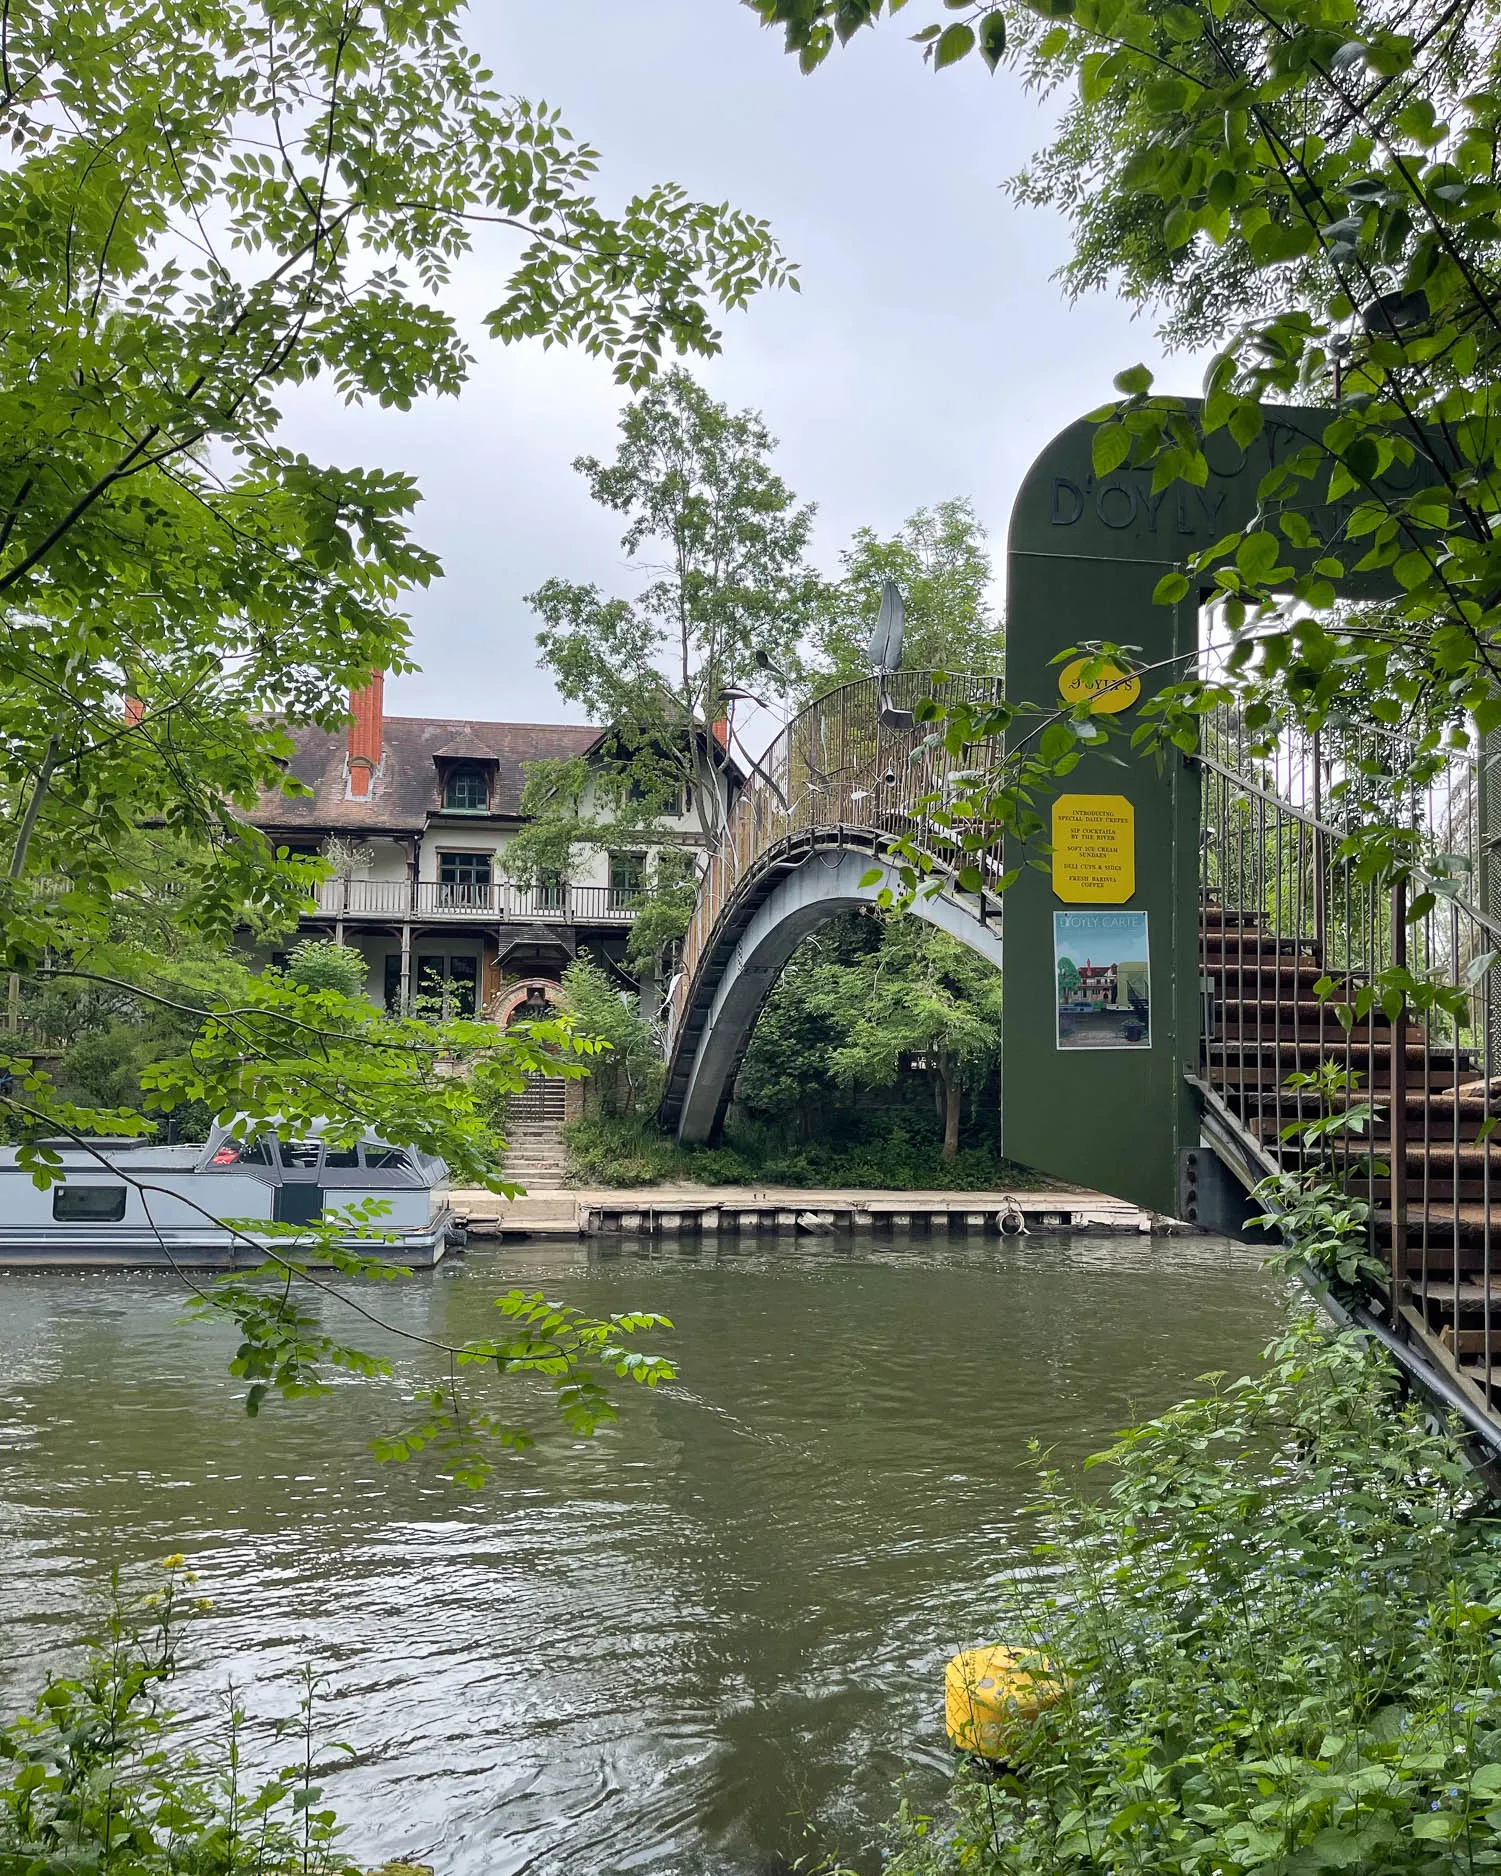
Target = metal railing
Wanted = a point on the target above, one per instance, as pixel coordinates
(1292, 927)
(850, 767)
(499, 900)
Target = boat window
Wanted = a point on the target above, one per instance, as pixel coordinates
(341, 1156)
(387, 1159)
(257, 1153)
(88, 1205)
(301, 1153)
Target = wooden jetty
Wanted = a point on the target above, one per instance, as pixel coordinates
(707, 1211)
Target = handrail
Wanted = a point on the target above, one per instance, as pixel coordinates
(840, 772)
(1441, 883)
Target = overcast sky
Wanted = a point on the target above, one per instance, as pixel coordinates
(929, 353)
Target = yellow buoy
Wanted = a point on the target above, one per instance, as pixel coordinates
(991, 1695)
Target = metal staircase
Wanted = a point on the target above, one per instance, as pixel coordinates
(1290, 933)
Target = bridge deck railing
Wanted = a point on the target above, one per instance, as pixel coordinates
(849, 766)
(1286, 905)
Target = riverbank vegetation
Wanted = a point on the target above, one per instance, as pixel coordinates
(103, 1775)
(1274, 1612)
(875, 1063)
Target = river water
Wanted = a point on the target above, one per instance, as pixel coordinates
(708, 1640)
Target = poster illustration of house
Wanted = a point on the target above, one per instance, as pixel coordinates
(1103, 980)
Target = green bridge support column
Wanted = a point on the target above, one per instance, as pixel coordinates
(1111, 1118)
(1083, 558)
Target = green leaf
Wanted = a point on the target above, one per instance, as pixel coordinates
(1135, 381)
(1170, 589)
(953, 43)
(1110, 447)
(993, 38)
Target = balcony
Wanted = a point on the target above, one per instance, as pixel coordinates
(500, 903)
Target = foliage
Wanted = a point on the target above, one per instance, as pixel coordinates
(103, 1776)
(1311, 187)
(627, 1077)
(317, 964)
(727, 605)
(932, 1001)
(879, 1151)
(865, 1002)
(1276, 1631)
(206, 208)
(939, 560)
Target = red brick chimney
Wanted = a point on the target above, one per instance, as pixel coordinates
(134, 711)
(366, 738)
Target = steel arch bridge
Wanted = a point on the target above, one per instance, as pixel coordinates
(845, 778)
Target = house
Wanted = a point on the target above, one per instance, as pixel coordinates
(1098, 984)
(419, 812)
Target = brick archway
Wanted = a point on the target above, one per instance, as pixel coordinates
(508, 1001)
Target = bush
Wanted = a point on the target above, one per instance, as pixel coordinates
(318, 964)
(607, 1150)
(628, 1079)
(99, 1776)
(1278, 1636)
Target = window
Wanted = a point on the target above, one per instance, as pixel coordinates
(340, 1158)
(243, 1153)
(552, 892)
(447, 987)
(464, 879)
(393, 982)
(467, 790)
(627, 875)
(88, 1205)
(387, 1159)
(301, 1154)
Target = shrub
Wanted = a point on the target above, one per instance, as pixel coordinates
(608, 1150)
(99, 1775)
(318, 964)
(628, 1078)
(1278, 1635)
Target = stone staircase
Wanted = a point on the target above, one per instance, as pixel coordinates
(536, 1157)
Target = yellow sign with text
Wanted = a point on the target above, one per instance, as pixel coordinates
(1094, 849)
(1107, 693)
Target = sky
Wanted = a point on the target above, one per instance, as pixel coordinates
(929, 353)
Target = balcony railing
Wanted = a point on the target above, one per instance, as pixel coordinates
(500, 901)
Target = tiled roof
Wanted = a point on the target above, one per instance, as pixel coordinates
(405, 789)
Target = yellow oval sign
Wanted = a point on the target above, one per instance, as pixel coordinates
(1108, 692)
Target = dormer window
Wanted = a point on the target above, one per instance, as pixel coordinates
(467, 789)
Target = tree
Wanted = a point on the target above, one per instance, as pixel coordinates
(728, 600)
(789, 1065)
(204, 209)
(629, 1079)
(1311, 188)
(938, 559)
(929, 1002)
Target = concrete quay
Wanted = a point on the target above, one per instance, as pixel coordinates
(717, 1211)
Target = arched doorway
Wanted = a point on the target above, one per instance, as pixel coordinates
(532, 1000)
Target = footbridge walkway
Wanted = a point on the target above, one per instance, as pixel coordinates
(845, 778)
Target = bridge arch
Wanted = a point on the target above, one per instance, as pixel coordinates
(847, 776)
(800, 895)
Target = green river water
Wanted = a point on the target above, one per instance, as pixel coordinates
(708, 1640)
